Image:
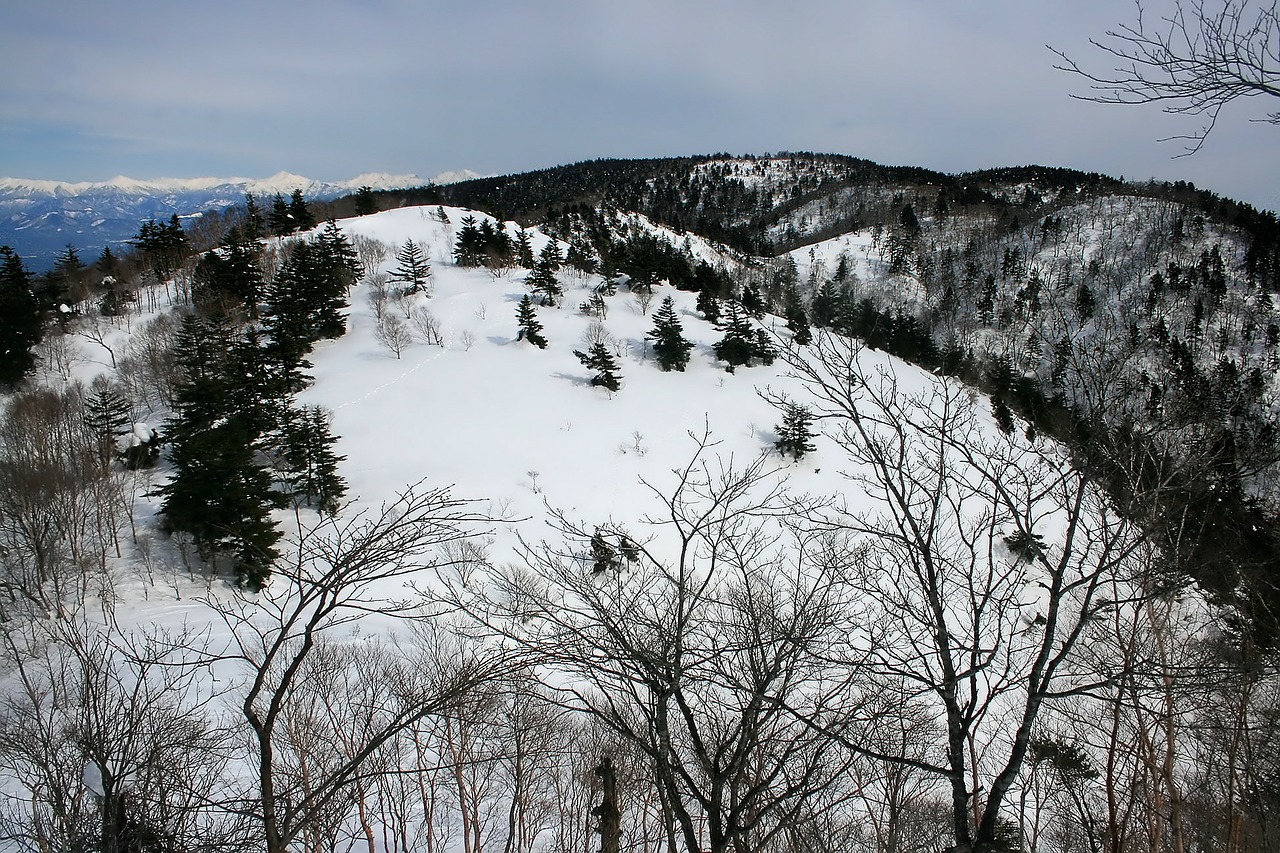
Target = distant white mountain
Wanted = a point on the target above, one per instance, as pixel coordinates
(38, 218)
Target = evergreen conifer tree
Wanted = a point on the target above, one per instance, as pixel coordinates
(825, 305)
(164, 246)
(542, 278)
(279, 219)
(309, 464)
(412, 270)
(737, 346)
(530, 328)
(219, 494)
(300, 213)
(763, 350)
(21, 324)
(752, 301)
(230, 275)
(550, 254)
(604, 557)
(579, 257)
(468, 248)
(365, 202)
(795, 433)
(797, 317)
(524, 249)
(107, 263)
(68, 272)
(708, 305)
(669, 343)
(254, 225)
(600, 361)
(304, 304)
(107, 416)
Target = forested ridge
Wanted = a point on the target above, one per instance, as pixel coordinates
(974, 242)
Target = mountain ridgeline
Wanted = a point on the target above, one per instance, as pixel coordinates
(1136, 322)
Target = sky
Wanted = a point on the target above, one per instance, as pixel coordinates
(331, 89)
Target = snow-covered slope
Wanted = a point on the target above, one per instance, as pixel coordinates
(523, 433)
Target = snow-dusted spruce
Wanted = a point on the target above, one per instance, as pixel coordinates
(602, 364)
(670, 346)
(20, 319)
(742, 344)
(795, 433)
(412, 270)
(527, 320)
(542, 280)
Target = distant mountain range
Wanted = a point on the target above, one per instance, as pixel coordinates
(39, 218)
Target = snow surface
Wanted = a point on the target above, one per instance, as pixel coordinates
(486, 410)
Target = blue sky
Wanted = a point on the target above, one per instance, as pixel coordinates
(333, 88)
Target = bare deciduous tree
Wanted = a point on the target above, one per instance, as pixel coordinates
(338, 572)
(393, 333)
(1194, 60)
(707, 648)
(109, 740)
(990, 563)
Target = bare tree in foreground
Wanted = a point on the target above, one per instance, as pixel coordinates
(708, 647)
(289, 644)
(1194, 60)
(989, 564)
(106, 743)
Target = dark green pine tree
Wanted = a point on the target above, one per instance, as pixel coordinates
(1003, 415)
(230, 276)
(331, 277)
(338, 258)
(542, 278)
(763, 350)
(300, 213)
(365, 202)
(825, 305)
(304, 304)
(67, 275)
(309, 466)
(254, 226)
(278, 218)
(795, 433)
(21, 322)
(600, 362)
(218, 493)
(163, 246)
(737, 346)
(797, 317)
(468, 248)
(604, 557)
(752, 301)
(527, 319)
(669, 343)
(524, 249)
(412, 270)
(842, 268)
(107, 263)
(107, 416)
(579, 257)
(708, 305)
(550, 254)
